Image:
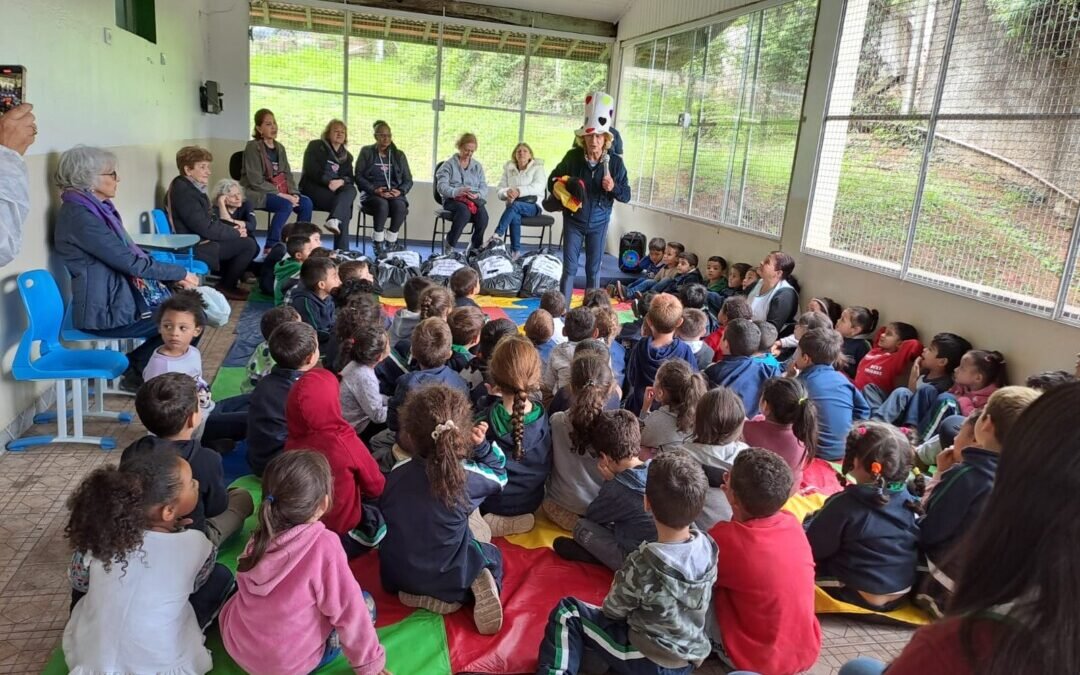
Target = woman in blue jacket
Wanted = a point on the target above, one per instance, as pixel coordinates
(104, 264)
(596, 178)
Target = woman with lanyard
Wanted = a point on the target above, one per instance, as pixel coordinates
(268, 180)
(382, 172)
(327, 179)
(587, 182)
(775, 297)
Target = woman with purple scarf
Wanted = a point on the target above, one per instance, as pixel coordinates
(107, 269)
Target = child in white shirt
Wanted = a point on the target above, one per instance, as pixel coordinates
(181, 319)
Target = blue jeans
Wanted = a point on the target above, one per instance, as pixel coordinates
(566, 643)
(862, 666)
(511, 218)
(593, 237)
(280, 209)
(905, 407)
(642, 286)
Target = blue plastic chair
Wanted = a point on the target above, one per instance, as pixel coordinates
(161, 225)
(45, 313)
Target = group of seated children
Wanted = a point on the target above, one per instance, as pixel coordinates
(426, 434)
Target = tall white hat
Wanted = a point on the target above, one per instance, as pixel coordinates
(599, 111)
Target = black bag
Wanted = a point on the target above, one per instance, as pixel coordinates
(631, 251)
(543, 273)
(499, 273)
(391, 275)
(440, 267)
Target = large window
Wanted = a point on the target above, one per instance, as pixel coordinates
(431, 81)
(950, 154)
(709, 116)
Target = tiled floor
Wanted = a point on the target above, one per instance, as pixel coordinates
(34, 592)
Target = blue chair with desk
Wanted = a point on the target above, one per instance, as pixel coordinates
(168, 247)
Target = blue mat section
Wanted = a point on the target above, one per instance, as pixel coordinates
(248, 335)
(235, 463)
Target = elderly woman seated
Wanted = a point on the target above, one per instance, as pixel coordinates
(115, 285)
(230, 205)
(224, 246)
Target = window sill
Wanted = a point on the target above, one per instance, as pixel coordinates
(705, 221)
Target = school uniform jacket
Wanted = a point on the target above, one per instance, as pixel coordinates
(957, 502)
(428, 548)
(414, 380)
(855, 348)
(645, 360)
(317, 312)
(266, 417)
(744, 375)
(620, 507)
(838, 404)
(866, 546)
(525, 477)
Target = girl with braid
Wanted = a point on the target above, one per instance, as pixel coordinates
(519, 426)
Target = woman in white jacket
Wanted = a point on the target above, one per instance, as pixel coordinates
(522, 188)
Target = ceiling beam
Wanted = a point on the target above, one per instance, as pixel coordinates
(572, 47)
(389, 23)
(427, 30)
(505, 15)
(465, 35)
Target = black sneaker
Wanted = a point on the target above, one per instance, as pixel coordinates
(568, 549)
(130, 381)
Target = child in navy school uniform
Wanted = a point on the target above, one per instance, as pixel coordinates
(465, 284)
(431, 348)
(435, 301)
(540, 329)
(318, 277)
(838, 402)
(658, 344)
(607, 330)
(520, 427)
(465, 324)
(865, 538)
(429, 556)
(738, 369)
(857, 326)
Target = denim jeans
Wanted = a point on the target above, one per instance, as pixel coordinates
(642, 286)
(511, 218)
(280, 209)
(593, 237)
(904, 407)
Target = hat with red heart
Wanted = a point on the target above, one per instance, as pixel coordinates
(599, 111)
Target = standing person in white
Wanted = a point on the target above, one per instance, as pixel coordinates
(17, 132)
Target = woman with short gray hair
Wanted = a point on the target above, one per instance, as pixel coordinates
(231, 206)
(108, 271)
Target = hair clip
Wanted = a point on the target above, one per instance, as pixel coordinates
(440, 428)
(861, 431)
(875, 468)
(802, 401)
(269, 499)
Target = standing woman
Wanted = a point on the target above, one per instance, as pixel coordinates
(382, 172)
(595, 179)
(104, 264)
(223, 246)
(327, 179)
(521, 187)
(267, 178)
(463, 188)
(775, 297)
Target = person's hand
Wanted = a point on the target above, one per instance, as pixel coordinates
(223, 208)
(647, 401)
(608, 183)
(295, 199)
(335, 184)
(945, 459)
(604, 467)
(240, 230)
(190, 281)
(18, 129)
(776, 346)
(393, 194)
(479, 432)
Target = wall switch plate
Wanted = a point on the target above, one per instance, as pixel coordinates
(162, 58)
(107, 36)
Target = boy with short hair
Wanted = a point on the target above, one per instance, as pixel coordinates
(168, 406)
(839, 403)
(648, 267)
(356, 269)
(294, 346)
(180, 319)
(764, 592)
(318, 278)
(280, 250)
(287, 270)
(432, 347)
(692, 332)
(716, 272)
(465, 285)
(465, 324)
(686, 273)
(261, 361)
(668, 271)
(931, 375)
(540, 329)
(653, 618)
(769, 335)
(554, 303)
(407, 318)
(738, 370)
(658, 345)
(580, 325)
(607, 329)
(616, 522)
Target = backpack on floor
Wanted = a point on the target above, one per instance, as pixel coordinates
(543, 273)
(391, 275)
(440, 267)
(499, 273)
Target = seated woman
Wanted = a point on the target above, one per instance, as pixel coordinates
(382, 172)
(327, 179)
(109, 273)
(224, 247)
(522, 188)
(267, 178)
(230, 206)
(775, 297)
(463, 188)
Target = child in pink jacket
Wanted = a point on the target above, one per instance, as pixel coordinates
(297, 605)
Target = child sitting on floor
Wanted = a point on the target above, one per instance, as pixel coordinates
(295, 348)
(838, 402)
(677, 390)
(931, 375)
(554, 303)
(764, 592)
(894, 351)
(520, 428)
(787, 344)
(716, 274)
(279, 250)
(362, 404)
(540, 329)
(649, 267)
(313, 414)
(432, 349)
(978, 376)
(658, 345)
(787, 424)
(580, 325)
(735, 307)
(475, 374)
(137, 567)
(692, 332)
(718, 425)
(362, 311)
(168, 406)
(465, 325)
(575, 479)
(856, 325)
(616, 522)
(808, 320)
(429, 557)
(686, 274)
(667, 270)
(297, 604)
(465, 285)
(738, 369)
(318, 277)
(607, 330)
(407, 318)
(180, 319)
(261, 361)
(653, 618)
(865, 538)
(287, 270)
(763, 352)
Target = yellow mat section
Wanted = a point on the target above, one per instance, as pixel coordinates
(801, 506)
(542, 534)
(482, 300)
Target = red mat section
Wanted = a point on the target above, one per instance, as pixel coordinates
(820, 476)
(533, 582)
(388, 609)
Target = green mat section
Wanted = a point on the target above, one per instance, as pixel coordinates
(259, 296)
(232, 547)
(228, 382)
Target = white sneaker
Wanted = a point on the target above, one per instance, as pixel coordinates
(333, 225)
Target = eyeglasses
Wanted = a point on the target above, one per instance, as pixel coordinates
(111, 173)
(383, 136)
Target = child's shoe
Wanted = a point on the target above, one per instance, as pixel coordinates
(568, 549)
(429, 603)
(487, 610)
(502, 526)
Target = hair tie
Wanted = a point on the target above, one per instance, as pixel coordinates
(269, 499)
(590, 382)
(440, 428)
(875, 468)
(862, 432)
(802, 401)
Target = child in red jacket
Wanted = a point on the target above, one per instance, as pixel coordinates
(764, 594)
(314, 422)
(895, 348)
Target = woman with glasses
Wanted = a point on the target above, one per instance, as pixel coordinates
(327, 179)
(382, 172)
(461, 184)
